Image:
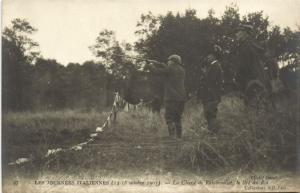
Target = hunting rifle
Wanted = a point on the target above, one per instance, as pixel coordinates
(144, 59)
(138, 58)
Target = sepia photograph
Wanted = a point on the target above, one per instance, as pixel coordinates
(121, 96)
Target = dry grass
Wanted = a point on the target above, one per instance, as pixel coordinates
(248, 140)
(32, 134)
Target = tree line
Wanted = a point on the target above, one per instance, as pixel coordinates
(31, 82)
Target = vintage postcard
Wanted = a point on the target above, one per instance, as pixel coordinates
(150, 96)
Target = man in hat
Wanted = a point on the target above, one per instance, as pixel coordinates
(249, 54)
(210, 91)
(174, 91)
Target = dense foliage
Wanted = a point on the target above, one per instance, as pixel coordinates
(31, 82)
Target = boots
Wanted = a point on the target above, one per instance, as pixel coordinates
(175, 131)
(171, 129)
(178, 131)
(213, 126)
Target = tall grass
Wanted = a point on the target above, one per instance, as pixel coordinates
(248, 139)
(32, 134)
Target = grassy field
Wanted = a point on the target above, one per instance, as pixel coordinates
(249, 140)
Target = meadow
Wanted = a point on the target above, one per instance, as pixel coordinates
(248, 140)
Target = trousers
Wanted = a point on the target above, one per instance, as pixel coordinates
(210, 112)
(173, 115)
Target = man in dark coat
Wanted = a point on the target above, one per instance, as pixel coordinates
(249, 54)
(210, 91)
(174, 91)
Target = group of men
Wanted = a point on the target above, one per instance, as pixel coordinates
(175, 94)
(174, 74)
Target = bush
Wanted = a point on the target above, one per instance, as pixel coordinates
(248, 138)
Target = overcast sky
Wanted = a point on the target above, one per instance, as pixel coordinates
(67, 27)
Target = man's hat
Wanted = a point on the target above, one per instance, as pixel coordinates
(175, 58)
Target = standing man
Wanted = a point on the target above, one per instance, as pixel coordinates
(174, 92)
(210, 91)
(249, 57)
